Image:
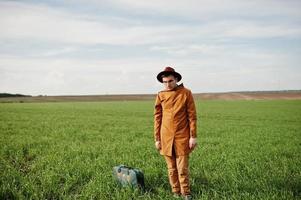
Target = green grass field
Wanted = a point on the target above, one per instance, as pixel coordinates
(247, 150)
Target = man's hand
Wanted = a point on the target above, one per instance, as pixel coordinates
(158, 145)
(192, 143)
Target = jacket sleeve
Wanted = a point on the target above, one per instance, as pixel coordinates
(192, 116)
(157, 118)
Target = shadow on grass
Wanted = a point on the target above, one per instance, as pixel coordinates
(199, 182)
(290, 184)
(156, 184)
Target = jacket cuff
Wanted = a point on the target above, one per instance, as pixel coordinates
(193, 135)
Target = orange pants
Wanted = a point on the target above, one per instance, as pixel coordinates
(178, 173)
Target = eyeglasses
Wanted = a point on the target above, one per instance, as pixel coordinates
(170, 81)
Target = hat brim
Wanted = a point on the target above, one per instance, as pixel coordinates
(175, 74)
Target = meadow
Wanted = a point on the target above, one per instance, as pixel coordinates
(247, 149)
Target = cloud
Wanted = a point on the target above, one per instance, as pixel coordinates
(59, 51)
(186, 50)
(72, 76)
(261, 30)
(40, 22)
(21, 21)
(208, 9)
(76, 76)
(97, 47)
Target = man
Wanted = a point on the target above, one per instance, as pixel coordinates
(175, 129)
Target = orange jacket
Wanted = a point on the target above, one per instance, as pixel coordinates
(175, 120)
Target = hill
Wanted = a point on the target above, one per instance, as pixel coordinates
(254, 95)
(4, 95)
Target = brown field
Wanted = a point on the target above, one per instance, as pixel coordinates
(138, 97)
(251, 95)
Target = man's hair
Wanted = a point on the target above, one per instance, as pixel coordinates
(168, 74)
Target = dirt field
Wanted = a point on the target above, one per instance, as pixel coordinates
(139, 97)
(250, 95)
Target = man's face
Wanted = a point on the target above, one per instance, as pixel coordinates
(169, 82)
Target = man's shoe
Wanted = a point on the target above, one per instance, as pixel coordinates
(187, 197)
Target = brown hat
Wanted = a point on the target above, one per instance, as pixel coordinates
(169, 71)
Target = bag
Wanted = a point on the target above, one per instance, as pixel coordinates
(128, 176)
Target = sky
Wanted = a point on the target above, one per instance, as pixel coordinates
(90, 47)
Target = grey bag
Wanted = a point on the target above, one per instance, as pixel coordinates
(128, 176)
